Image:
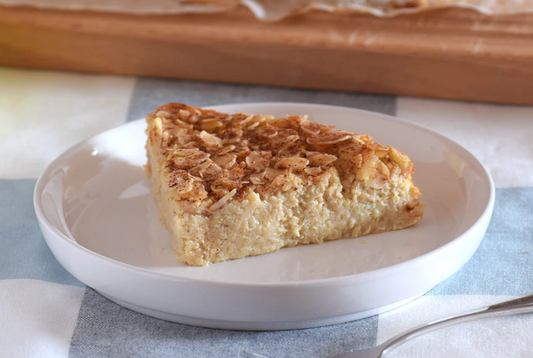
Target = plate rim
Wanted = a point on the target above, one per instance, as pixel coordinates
(338, 280)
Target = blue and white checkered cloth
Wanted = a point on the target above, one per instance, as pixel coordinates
(45, 312)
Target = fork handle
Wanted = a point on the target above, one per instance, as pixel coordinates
(518, 306)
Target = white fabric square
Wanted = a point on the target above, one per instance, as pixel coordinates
(500, 136)
(37, 318)
(43, 113)
(488, 338)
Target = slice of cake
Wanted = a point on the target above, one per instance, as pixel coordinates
(231, 186)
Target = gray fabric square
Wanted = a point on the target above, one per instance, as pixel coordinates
(150, 93)
(106, 329)
(24, 253)
(502, 264)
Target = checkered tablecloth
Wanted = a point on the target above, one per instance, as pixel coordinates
(45, 312)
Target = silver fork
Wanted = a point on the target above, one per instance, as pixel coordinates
(517, 306)
(513, 307)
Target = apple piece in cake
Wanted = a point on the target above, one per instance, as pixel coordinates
(230, 186)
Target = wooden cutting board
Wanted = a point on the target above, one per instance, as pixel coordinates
(447, 53)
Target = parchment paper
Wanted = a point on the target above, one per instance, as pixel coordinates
(273, 10)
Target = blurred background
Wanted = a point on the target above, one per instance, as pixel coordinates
(474, 50)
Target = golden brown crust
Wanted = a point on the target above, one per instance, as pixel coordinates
(211, 158)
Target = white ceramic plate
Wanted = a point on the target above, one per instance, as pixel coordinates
(98, 217)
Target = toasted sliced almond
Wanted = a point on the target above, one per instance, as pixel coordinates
(376, 147)
(290, 139)
(242, 152)
(382, 152)
(384, 169)
(212, 172)
(253, 125)
(271, 173)
(180, 181)
(185, 139)
(313, 171)
(223, 185)
(158, 124)
(211, 126)
(198, 192)
(227, 149)
(368, 168)
(191, 160)
(193, 119)
(257, 161)
(225, 161)
(363, 137)
(326, 128)
(292, 163)
(210, 120)
(257, 179)
(399, 158)
(222, 201)
(357, 161)
(184, 114)
(317, 159)
(199, 169)
(163, 114)
(296, 118)
(235, 173)
(210, 139)
(329, 138)
(231, 135)
(195, 178)
(291, 151)
(267, 131)
(281, 122)
(279, 182)
(285, 139)
(310, 127)
(181, 124)
(185, 152)
(247, 120)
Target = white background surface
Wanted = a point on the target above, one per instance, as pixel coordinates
(488, 131)
(50, 108)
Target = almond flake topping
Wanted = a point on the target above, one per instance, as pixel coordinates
(257, 179)
(184, 114)
(310, 127)
(329, 138)
(313, 171)
(191, 160)
(317, 159)
(267, 131)
(180, 181)
(225, 161)
(222, 201)
(210, 139)
(219, 157)
(185, 152)
(271, 173)
(292, 163)
(163, 114)
(257, 161)
(226, 150)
